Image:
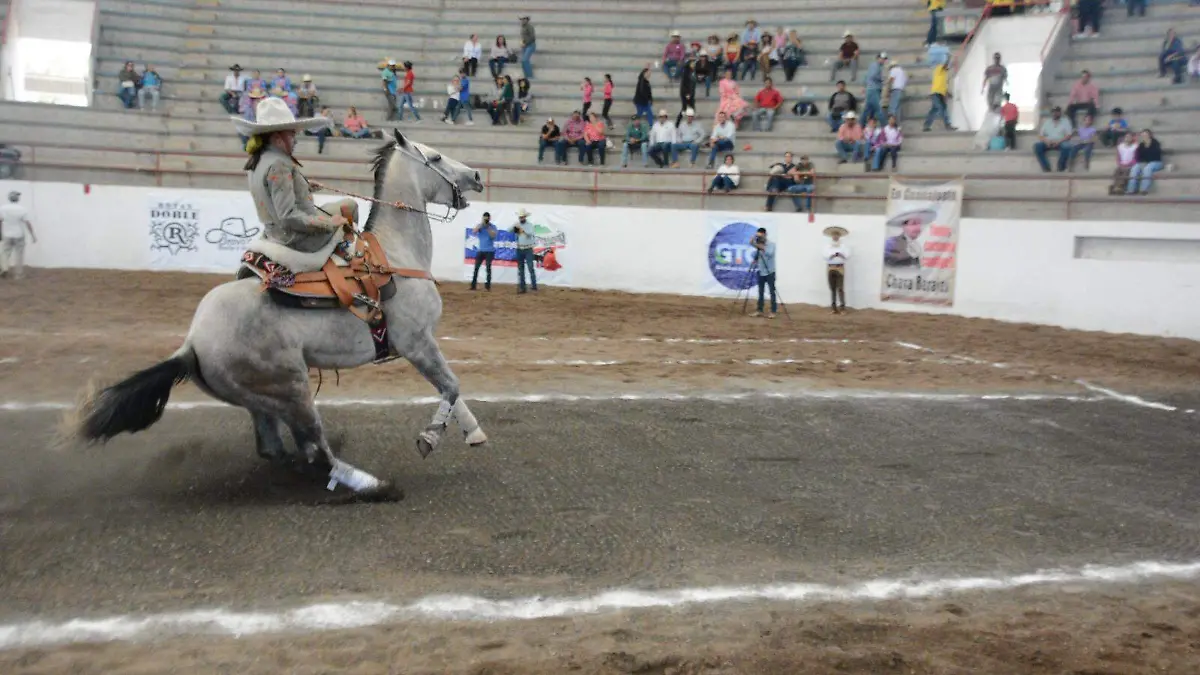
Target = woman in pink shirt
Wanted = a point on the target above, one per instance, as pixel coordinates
(608, 93)
(889, 142)
(594, 139)
(355, 126)
(587, 90)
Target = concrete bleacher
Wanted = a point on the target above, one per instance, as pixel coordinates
(191, 142)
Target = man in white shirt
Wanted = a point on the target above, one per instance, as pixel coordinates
(662, 138)
(689, 136)
(897, 80)
(722, 137)
(235, 84)
(14, 221)
(836, 254)
(472, 52)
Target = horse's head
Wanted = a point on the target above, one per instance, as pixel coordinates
(440, 179)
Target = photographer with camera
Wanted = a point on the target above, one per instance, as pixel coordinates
(764, 265)
(485, 250)
(525, 243)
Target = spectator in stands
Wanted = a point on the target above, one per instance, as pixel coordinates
(850, 144)
(472, 53)
(802, 176)
(704, 71)
(939, 91)
(768, 56)
(355, 125)
(406, 93)
(452, 91)
(322, 133)
(1086, 143)
(728, 176)
(594, 136)
(995, 77)
(636, 138)
(528, 46)
(673, 56)
(713, 50)
(1140, 7)
(1116, 130)
(791, 55)
(936, 7)
(498, 56)
(574, 136)
(10, 159)
(722, 137)
(502, 106)
(250, 102)
(889, 143)
(1126, 159)
(643, 97)
(464, 99)
(873, 108)
(873, 138)
(732, 105)
(235, 84)
(687, 90)
(1056, 135)
(751, 39)
(1085, 96)
(1149, 161)
(307, 93)
(847, 57)
(1010, 114)
(387, 77)
(549, 138)
(281, 81)
(524, 102)
(769, 102)
(897, 81)
(780, 179)
(662, 138)
(152, 85)
(586, 88)
(688, 136)
(608, 100)
(840, 103)
(129, 82)
(1089, 18)
(733, 54)
(1172, 56)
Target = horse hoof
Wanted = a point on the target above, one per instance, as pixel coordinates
(426, 445)
(476, 438)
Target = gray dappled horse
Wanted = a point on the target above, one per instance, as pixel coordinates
(245, 349)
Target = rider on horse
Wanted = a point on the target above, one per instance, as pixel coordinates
(296, 232)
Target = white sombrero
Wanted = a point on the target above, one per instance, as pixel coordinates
(923, 216)
(273, 115)
(835, 229)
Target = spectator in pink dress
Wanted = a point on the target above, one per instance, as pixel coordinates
(732, 105)
(587, 89)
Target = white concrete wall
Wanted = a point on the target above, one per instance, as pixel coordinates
(1009, 270)
(1019, 40)
(10, 78)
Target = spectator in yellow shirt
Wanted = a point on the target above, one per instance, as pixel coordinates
(939, 91)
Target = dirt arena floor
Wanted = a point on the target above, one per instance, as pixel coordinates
(855, 471)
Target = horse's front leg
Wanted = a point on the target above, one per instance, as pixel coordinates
(423, 353)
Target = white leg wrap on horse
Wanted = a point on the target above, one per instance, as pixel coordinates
(353, 478)
(442, 416)
(462, 414)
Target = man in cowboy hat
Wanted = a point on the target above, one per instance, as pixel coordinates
(235, 84)
(903, 250)
(525, 243)
(688, 136)
(836, 254)
(14, 223)
(673, 55)
(296, 233)
(662, 138)
(847, 58)
(387, 75)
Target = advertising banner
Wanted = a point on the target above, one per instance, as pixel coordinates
(190, 231)
(730, 255)
(920, 248)
(552, 262)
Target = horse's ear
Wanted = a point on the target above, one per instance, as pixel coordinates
(400, 139)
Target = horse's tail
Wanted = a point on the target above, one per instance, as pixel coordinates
(133, 404)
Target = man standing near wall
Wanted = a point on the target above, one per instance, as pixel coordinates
(485, 250)
(14, 221)
(525, 243)
(836, 255)
(764, 265)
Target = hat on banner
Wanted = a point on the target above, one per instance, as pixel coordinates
(835, 230)
(922, 216)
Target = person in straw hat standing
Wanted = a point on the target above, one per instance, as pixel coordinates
(282, 195)
(526, 240)
(836, 254)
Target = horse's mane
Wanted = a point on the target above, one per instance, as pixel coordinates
(379, 167)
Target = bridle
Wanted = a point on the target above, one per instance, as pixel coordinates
(431, 164)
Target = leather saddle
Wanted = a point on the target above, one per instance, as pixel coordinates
(356, 277)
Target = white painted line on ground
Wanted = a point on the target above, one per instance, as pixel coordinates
(1127, 398)
(359, 614)
(719, 397)
(9, 359)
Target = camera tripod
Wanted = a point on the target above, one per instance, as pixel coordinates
(751, 281)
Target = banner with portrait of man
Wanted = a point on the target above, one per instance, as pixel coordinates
(921, 241)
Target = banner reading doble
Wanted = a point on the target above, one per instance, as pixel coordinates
(551, 261)
(920, 249)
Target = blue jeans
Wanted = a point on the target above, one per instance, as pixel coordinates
(496, 66)
(676, 147)
(896, 104)
(874, 106)
(765, 280)
(562, 145)
(1139, 5)
(128, 96)
(1064, 154)
(722, 145)
(931, 37)
(1084, 149)
(801, 189)
(835, 121)
(407, 100)
(660, 153)
(560, 152)
(671, 68)
(527, 60)
(851, 150)
(466, 105)
(647, 113)
(1146, 172)
(881, 154)
(525, 259)
(721, 182)
(937, 108)
(625, 151)
(594, 148)
(775, 185)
